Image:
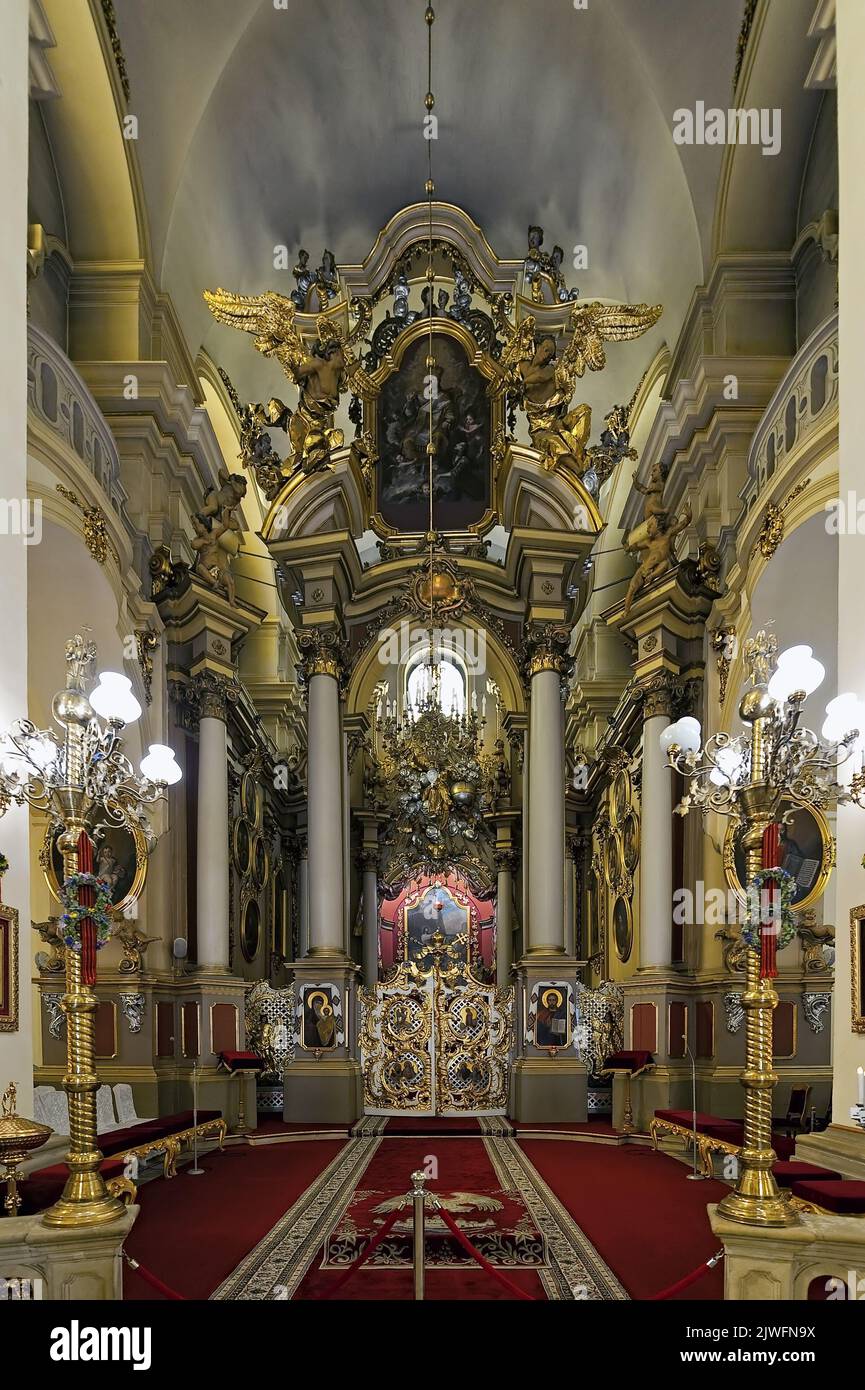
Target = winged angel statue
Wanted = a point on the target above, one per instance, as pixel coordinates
(543, 380)
(321, 372)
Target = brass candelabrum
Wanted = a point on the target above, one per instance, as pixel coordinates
(750, 777)
(83, 781)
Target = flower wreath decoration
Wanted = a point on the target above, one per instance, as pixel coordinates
(75, 911)
(782, 917)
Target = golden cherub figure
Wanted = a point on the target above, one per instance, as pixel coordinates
(657, 551)
(544, 379)
(321, 373)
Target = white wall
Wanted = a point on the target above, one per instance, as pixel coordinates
(16, 1049)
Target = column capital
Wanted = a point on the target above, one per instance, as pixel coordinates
(547, 649)
(668, 694)
(206, 695)
(323, 652)
(507, 859)
(369, 859)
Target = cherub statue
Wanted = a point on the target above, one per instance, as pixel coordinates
(657, 551)
(653, 491)
(230, 493)
(215, 548)
(543, 379)
(49, 931)
(321, 373)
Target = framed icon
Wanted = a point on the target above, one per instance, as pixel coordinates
(119, 856)
(857, 967)
(623, 928)
(241, 846)
(250, 930)
(807, 853)
(8, 969)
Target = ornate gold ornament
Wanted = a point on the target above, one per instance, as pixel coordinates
(96, 536)
(18, 1139)
(774, 523)
(827, 855)
(434, 1039)
(815, 937)
(146, 643)
(547, 648)
(321, 371)
(50, 860)
(723, 645)
(116, 47)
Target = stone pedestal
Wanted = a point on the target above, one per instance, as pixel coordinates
(778, 1265)
(63, 1263)
(324, 1085)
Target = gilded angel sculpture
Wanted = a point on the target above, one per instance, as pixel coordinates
(321, 373)
(544, 379)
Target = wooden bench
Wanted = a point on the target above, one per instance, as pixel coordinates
(714, 1135)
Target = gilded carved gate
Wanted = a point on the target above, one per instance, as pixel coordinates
(435, 1040)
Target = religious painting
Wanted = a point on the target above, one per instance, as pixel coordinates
(550, 1014)
(448, 405)
(242, 848)
(250, 930)
(320, 1017)
(807, 854)
(250, 798)
(8, 970)
(260, 862)
(436, 910)
(119, 857)
(623, 928)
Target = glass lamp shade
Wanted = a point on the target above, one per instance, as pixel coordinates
(844, 714)
(797, 670)
(113, 698)
(160, 765)
(685, 734)
(728, 764)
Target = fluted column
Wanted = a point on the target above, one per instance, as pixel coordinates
(322, 657)
(656, 831)
(213, 693)
(546, 665)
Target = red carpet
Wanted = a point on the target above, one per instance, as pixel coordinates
(638, 1210)
(503, 1236)
(192, 1232)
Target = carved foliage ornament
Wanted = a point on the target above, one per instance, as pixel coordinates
(96, 536)
(547, 649)
(323, 652)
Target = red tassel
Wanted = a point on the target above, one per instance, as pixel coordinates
(87, 897)
(768, 929)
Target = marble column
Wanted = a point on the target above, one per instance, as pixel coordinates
(369, 864)
(570, 901)
(212, 692)
(322, 654)
(303, 898)
(545, 928)
(656, 833)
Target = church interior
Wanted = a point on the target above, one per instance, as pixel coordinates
(432, 714)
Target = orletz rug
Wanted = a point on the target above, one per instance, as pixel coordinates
(532, 1230)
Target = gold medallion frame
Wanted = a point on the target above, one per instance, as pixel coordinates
(46, 859)
(826, 866)
(629, 920)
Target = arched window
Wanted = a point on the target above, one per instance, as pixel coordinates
(424, 680)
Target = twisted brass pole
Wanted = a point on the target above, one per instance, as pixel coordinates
(757, 1200)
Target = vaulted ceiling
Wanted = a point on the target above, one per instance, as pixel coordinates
(261, 126)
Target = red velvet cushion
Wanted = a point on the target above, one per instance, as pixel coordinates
(627, 1061)
(846, 1196)
(787, 1172)
(784, 1147)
